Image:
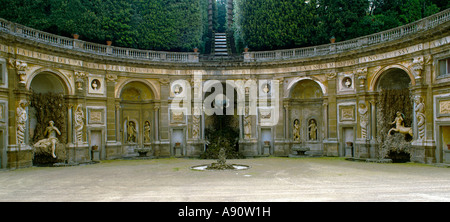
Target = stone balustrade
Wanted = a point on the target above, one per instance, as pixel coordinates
(352, 44)
(260, 56)
(94, 48)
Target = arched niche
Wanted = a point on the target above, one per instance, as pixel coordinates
(305, 104)
(137, 101)
(393, 78)
(46, 82)
(48, 102)
(393, 99)
(306, 89)
(395, 72)
(136, 91)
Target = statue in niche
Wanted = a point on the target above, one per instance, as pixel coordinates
(131, 130)
(247, 124)
(21, 121)
(364, 119)
(195, 126)
(95, 84)
(147, 130)
(399, 125)
(296, 130)
(312, 130)
(348, 82)
(420, 116)
(51, 140)
(79, 123)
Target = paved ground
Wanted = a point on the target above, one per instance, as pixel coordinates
(268, 179)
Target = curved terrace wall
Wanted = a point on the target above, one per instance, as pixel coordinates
(415, 50)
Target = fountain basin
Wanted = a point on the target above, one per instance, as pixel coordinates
(210, 167)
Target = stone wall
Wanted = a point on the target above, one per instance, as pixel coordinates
(114, 90)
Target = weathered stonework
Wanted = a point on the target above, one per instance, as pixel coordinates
(336, 85)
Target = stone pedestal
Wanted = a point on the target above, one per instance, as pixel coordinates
(348, 151)
(248, 148)
(195, 148)
(95, 155)
(19, 156)
(178, 151)
(298, 150)
(78, 153)
(446, 158)
(266, 150)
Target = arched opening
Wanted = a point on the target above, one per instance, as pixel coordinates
(393, 79)
(137, 117)
(306, 89)
(305, 115)
(48, 104)
(222, 127)
(394, 115)
(46, 82)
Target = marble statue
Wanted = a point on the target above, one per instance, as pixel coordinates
(296, 130)
(420, 116)
(147, 130)
(312, 130)
(131, 130)
(399, 125)
(247, 124)
(364, 119)
(51, 139)
(79, 123)
(21, 121)
(195, 126)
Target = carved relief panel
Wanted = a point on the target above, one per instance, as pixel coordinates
(347, 113)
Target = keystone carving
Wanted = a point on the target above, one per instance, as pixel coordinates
(21, 68)
(79, 79)
(417, 66)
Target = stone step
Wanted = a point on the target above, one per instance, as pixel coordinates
(221, 54)
(220, 46)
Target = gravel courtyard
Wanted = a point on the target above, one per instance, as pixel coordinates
(268, 179)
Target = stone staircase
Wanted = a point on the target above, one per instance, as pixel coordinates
(220, 45)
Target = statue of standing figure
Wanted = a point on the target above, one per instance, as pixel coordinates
(79, 123)
(247, 124)
(296, 130)
(420, 116)
(131, 132)
(147, 130)
(312, 130)
(51, 140)
(21, 121)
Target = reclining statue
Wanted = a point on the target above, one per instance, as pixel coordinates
(51, 140)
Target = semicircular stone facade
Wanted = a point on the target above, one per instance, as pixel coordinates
(315, 101)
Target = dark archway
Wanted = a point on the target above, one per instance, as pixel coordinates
(394, 102)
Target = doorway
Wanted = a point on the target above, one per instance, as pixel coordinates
(266, 135)
(2, 148)
(177, 142)
(445, 139)
(97, 139)
(348, 136)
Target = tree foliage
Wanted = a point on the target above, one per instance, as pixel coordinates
(278, 24)
(181, 25)
(175, 25)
